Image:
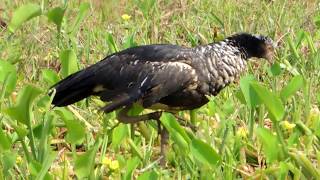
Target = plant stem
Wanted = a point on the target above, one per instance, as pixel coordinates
(193, 116)
(281, 139)
(31, 136)
(251, 123)
(25, 149)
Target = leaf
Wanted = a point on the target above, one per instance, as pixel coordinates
(177, 133)
(84, 163)
(119, 133)
(68, 62)
(46, 165)
(50, 76)
(5, 141)
(76, 131)
(270, 144)
(249, 95)
(132, 164)
(129, 42)
(204, 153)
(275, 69)
(308, 168)
(21, 111)
(294, 50)
(149, 175)
(83, 11)
(292, 87)
(270, 100)
(8, 161)
(111, 43)
(8, 76)
(55, 15)
(23, 14)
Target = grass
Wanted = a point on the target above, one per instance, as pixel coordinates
(266, 126)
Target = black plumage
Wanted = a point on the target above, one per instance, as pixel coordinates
(173, 76)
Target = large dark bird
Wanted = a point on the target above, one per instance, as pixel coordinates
(168, 77)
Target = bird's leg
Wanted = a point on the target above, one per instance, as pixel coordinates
(123, 117)
(164, 135)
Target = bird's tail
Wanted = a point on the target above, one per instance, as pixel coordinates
(74, 88)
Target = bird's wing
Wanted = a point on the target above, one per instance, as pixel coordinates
(140, 73)
(147, 82)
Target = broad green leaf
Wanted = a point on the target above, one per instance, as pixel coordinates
(270, 144)
(50, 76)
(8, 161)
(68, 62)
(111, 43)
(55, 15)
(76, 131)
(204, 153)
(132, 164)
(5, 141)
(271, 101)
(64, 113)
(240, 96)
(275, 69)
(249, 95)
(85, 162)
(119, 133)
(8, 76)
(83, 11)
(23, 14)
(22, 110)
(177, 133)
(149, 175)
(292, 87)
(34, 167)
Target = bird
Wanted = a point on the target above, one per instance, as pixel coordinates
(164, 77)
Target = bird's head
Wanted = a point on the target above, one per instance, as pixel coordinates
(255, 45)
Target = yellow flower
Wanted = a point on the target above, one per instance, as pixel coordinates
(126, 17)
(114, 165)
(287, 125)
(18, 159)
(106, 161)
(242, 132)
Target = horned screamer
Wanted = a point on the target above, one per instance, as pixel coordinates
(168, 77)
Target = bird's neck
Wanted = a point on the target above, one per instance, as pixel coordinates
(232, 45)
(223, 62)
